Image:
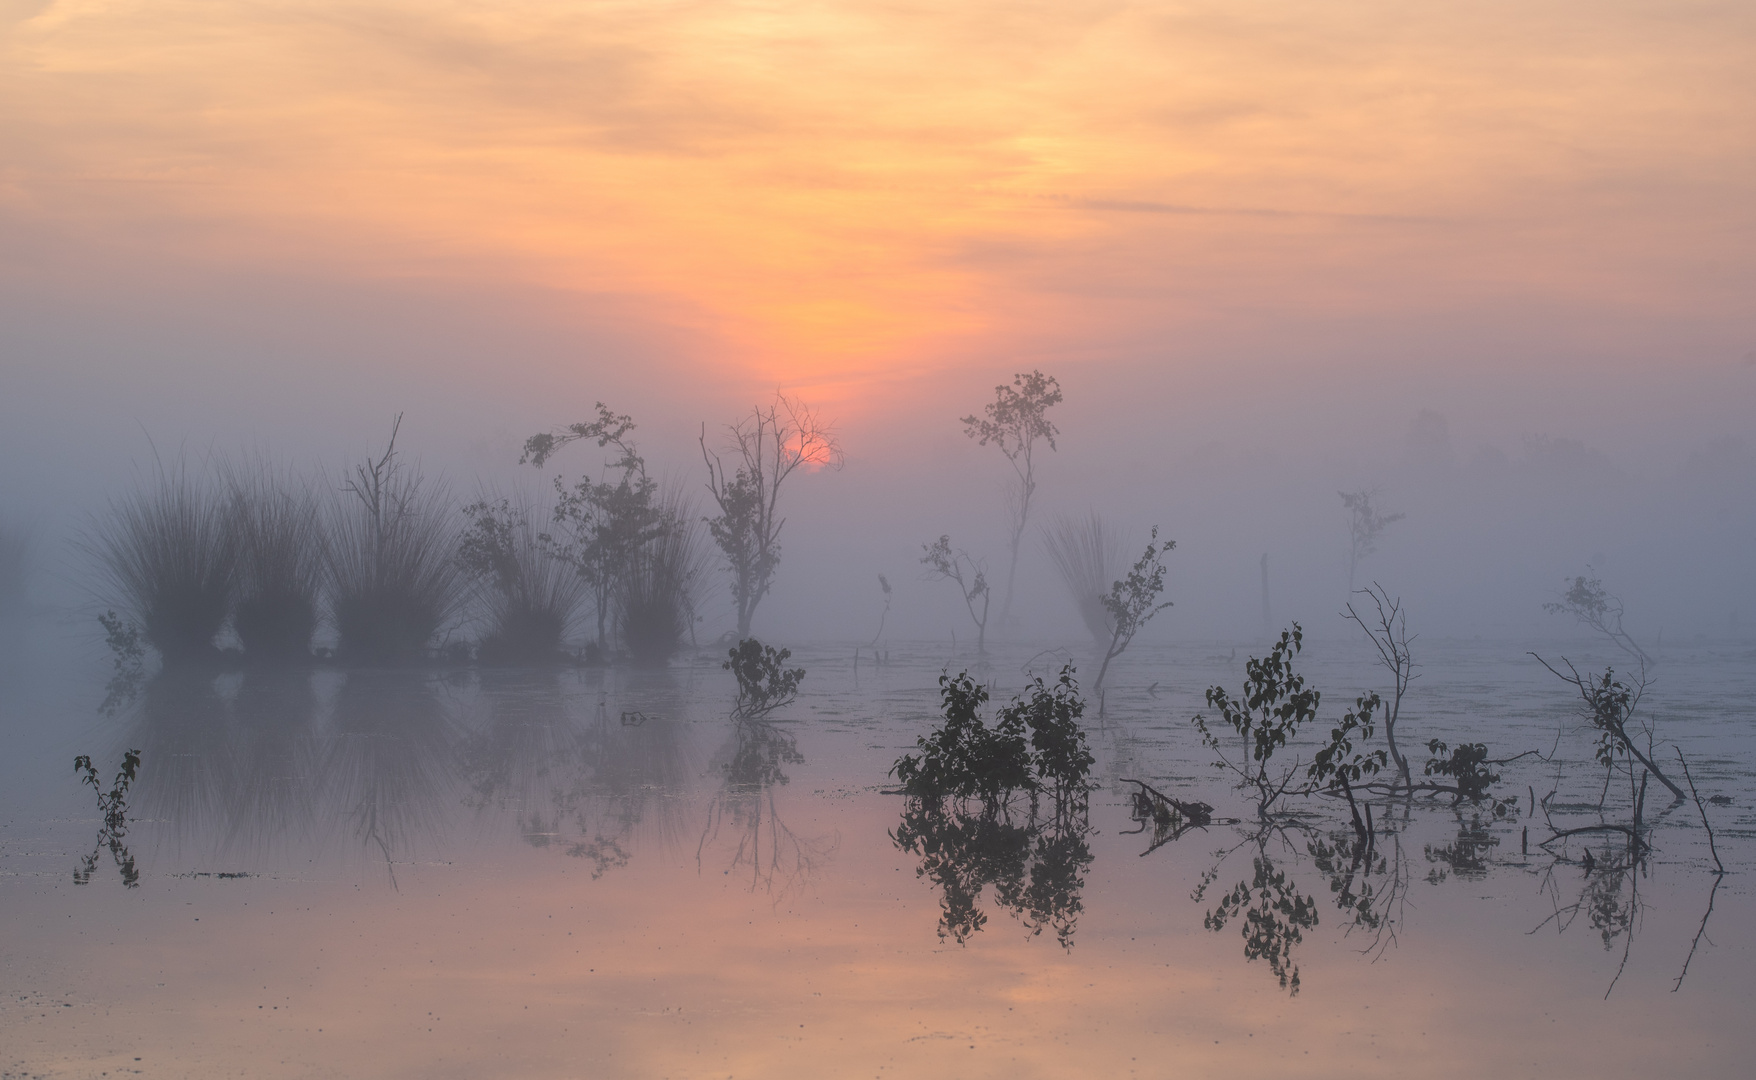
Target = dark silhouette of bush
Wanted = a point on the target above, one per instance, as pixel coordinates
(167, 560)
(393, 574)
(656, 598)
(277, 532)
(530, 595)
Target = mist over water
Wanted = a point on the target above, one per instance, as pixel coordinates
(372, 382)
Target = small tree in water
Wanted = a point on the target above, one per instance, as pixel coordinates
(971, 577)
(765, 683)
(1014, 421)
(1133, 602)
(1366, 523)
(765, 448)
(1035, 745)
(1592, 605)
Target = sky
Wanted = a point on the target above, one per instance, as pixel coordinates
(1254, 241)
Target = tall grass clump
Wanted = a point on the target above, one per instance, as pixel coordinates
(656, 599)
(1088, 558)
(394, 580)
(277, 530)
(528, 593)
(167, 561)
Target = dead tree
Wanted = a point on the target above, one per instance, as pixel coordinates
(1388, 632)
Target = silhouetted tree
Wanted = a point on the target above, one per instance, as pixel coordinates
(766, 447)
(1365, 524)
(957, 565)
(1014, 421)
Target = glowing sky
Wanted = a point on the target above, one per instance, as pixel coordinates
(818, 189)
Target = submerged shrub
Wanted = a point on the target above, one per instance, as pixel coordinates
(168, 560)
(765, 683)
(1035, 744)
(530, 595)
(393, 575)
(277, 530)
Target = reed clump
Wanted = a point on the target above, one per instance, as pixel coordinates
(168, 556)
(1088, 558)
(529, 595)
(656, 598)
(277, 531)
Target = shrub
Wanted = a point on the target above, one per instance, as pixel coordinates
(167, 559)
(764, 682)
(277, 531)
(393, 574)
(1034, 745)
(655, 599)
(531, 596)
(1087, 556)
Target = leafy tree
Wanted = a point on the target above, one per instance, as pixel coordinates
(1592, 605)
(1610, 706)
(1035, 745)
(1014, 422)
(1275, 702)
(608, 521)
(765, 448)
(971, 576)
(1366, 523)
(1133, 601)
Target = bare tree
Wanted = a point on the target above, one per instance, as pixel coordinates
(1014, 421)
(1389, 633)
(957, 565)
(1589, 603)
(1365, 524)
(765, 448)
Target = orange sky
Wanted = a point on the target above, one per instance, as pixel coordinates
(822, 189)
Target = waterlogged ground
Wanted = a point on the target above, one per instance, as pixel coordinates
(595, 874)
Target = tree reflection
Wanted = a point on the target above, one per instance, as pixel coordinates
(752, 765)
(1273, 912)
(1036, 866)
(1467, 855)
(391, 760)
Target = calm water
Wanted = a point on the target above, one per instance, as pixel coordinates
(594, 873)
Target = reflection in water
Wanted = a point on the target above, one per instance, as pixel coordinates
(1275, 914)
(184, 733)
(274, 759)
(1466, 856)
(752, 766)
(1036, 866)
(389, 763)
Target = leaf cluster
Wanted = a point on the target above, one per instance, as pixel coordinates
(1034, 745)
(1468, 767)
(113, 804)
(765, 683)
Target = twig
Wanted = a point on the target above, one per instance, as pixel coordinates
(1719, 867)
(1702, 929)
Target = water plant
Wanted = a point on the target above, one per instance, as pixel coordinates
(1388, 632)
(970, 576)
(1132, 602)
(656, 600)
(277, 531)
(167, 559)
(1610, 707)
(1087, 556)
(113, 805)
(394, 576)
(1035, 745)
(529, 596)
(765, 683)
